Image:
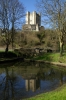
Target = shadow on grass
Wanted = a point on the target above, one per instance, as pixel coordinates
(7, 55)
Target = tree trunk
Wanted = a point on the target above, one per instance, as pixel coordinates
(12, 34)
(61, 48)
(6, 50)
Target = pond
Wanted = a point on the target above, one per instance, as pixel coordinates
(25, 79)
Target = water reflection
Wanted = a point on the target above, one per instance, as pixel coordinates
(7, 84)
(23, 80)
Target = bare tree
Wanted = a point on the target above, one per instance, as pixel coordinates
(11, 13)
(4, 18)
(54, 12)
(17, 13)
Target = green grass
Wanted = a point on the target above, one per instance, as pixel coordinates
(54, 57)
(58, 94)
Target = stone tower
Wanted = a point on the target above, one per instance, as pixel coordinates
(33, 21)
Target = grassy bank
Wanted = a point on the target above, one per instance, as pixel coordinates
(58, 94)
(54, 57)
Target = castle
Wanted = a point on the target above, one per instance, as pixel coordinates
(33, 21)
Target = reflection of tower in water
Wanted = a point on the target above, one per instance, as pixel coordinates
(32, 84)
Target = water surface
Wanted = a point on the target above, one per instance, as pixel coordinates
(24, 79)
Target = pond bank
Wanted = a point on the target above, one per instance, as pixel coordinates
(30, 60)
(49, 62)
(11, 60)
(50, 58)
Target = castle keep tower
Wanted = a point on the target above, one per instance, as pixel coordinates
(33, 21)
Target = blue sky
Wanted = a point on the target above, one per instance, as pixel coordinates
(30, 5)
